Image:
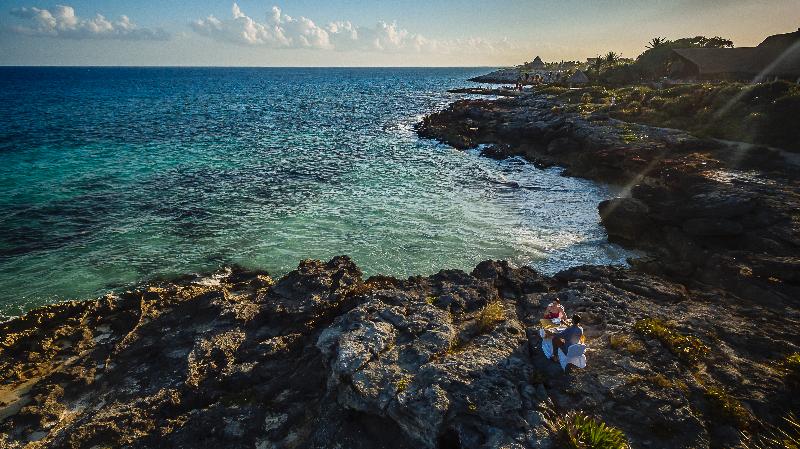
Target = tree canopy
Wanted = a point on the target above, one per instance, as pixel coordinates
(653, 63)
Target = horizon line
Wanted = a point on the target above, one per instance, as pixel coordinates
(256, 66)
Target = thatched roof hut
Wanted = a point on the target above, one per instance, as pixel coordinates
(537, 64)
(577, 78)
(777, 57)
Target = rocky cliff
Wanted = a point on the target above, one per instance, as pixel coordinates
(707, 211)
(322, 358)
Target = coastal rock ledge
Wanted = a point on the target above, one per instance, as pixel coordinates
(322, 358)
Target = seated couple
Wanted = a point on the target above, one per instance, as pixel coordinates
(568, 337)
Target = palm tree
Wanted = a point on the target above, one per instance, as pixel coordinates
(598, 63)
(656, 42)
(611, 58)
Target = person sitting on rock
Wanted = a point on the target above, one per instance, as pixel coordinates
(568, 337)
(555, 310)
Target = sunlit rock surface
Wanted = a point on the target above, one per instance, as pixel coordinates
(322, 358)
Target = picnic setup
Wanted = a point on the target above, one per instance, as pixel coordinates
(563, 340)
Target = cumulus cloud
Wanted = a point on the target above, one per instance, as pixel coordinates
(279, 30)
(61, 21)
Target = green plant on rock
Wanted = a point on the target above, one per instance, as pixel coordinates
(726, 408)
(660, 381)
(403, 383)
(705, 110)
(687, 348)
(577, 430)
(492, 314)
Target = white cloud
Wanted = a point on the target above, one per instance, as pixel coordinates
(280, 30)
(61, 21)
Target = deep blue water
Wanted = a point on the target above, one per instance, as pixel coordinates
(112, 176)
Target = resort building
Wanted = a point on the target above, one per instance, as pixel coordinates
(577, 78)
(778, 57)
(537, 72)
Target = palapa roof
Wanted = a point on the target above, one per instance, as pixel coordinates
(778, 55)
(578, 78)
(537, 63)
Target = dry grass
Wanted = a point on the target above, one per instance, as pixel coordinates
(625, 342)
(490, 316)
(727, 408)
(660, 381)
(687, 348)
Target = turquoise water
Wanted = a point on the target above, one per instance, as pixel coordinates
(112, 176)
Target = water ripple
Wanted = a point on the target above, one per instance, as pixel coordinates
(114, 176)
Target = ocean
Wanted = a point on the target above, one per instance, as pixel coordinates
(114, 176)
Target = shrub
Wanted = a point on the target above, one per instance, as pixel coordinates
(726, 408)
(403, 383)
(761, 114)
(580, 431)
(492, 314)
(687, 348)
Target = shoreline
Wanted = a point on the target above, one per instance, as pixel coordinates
(243, 362)
(672, 178)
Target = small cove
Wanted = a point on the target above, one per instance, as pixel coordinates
(115, 176)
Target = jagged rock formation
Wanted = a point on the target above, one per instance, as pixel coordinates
(686, 347)
(324, 359)
(500, 76)
(706, 211)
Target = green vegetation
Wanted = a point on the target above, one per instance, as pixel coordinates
(687, 348)
(786, 437)
(661, 381)
(492, 314)
(760, 113)
(653, 64)
(624, 341)
(403, 383)
(580, 431)
(726, 408)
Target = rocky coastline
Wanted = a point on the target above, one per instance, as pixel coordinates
(500, 76)
(687, 346)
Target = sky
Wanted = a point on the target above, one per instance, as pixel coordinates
(361, 33)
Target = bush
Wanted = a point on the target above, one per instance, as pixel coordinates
(492, 314)
(687, 348)
(579, 431)
(760, 114)
(403, 383)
